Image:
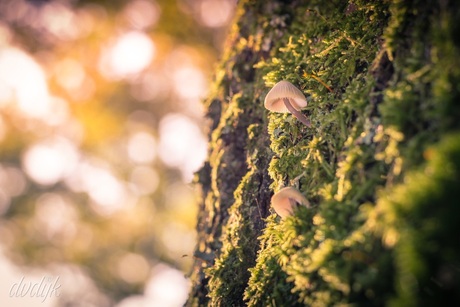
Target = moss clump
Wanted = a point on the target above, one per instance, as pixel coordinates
(417, 220)
(382, 80)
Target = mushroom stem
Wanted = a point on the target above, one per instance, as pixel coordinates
(296, 113)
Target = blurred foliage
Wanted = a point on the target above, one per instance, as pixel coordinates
(379, 165)
(93, 95)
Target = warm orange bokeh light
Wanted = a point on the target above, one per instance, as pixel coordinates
(101, 128)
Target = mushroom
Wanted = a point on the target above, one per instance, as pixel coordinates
(286, 200)
(285, 97)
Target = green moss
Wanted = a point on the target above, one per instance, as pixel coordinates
(376, 165)
(408, 218)
(229, 275)
(268, 285)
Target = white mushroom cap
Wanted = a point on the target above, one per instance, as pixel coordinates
(285, 201)
(284, 89)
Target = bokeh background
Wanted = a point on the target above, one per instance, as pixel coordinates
(101, 130)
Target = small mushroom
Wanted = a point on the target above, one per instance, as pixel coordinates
(286, 200)
(285, 97)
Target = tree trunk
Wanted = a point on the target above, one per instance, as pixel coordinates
(380, 164)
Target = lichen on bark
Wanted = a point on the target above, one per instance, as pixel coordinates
(382, 83)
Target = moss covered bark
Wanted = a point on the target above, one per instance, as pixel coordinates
(380, 163)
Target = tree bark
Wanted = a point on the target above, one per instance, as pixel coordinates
(391, 118)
